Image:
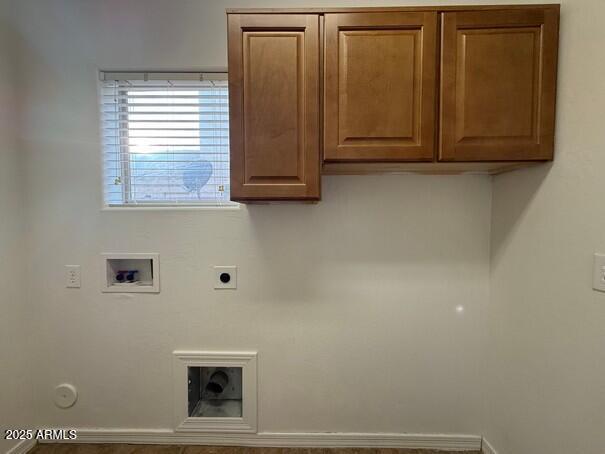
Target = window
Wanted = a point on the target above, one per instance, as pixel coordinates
(165, 139)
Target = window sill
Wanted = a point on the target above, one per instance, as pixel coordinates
(235, 207)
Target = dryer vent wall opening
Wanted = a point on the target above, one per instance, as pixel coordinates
(214, 391)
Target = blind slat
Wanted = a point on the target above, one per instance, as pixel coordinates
(164, 102)
(134, 122)
(163, 76)
(167, 129)
(111, 96)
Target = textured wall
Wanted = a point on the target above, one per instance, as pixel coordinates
(15, 389)
(547, 352)
(367, 279)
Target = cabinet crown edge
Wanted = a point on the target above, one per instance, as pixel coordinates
(387, 9)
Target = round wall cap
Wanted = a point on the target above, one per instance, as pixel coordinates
(65, 395)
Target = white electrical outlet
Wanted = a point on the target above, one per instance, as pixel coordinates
(72, 276)
(598, 274)
(225, 277)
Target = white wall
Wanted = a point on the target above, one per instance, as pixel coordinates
(15, 387)
(351, 303)
(547, 368)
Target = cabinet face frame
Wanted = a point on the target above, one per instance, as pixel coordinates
(420, 145)
(457, 142)
(256, 174)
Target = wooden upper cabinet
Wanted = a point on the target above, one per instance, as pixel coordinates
(380, 86)
(447, 89)
(498, 79)
(274, 106)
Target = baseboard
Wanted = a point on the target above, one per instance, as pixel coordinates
(22, 447)
(285, 440)
(486, 448)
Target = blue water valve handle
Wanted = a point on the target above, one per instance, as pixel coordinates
(126, 275)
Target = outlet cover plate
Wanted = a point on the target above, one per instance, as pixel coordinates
(231, 271)
(72, 276)
(598, 276)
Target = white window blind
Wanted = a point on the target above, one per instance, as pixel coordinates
(165, 139)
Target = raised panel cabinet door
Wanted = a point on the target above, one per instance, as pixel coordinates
(380, 86)
(498, 82)
(274, 106)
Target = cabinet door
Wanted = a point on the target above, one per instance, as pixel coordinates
(498, 85)
(274, 106)
(380, 86)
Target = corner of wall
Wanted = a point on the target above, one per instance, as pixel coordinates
(16, 399)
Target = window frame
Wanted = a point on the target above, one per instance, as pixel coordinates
(125, 155)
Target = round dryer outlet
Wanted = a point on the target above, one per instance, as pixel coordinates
(65, 395)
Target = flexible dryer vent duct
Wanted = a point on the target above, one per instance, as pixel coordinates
(218, 382)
